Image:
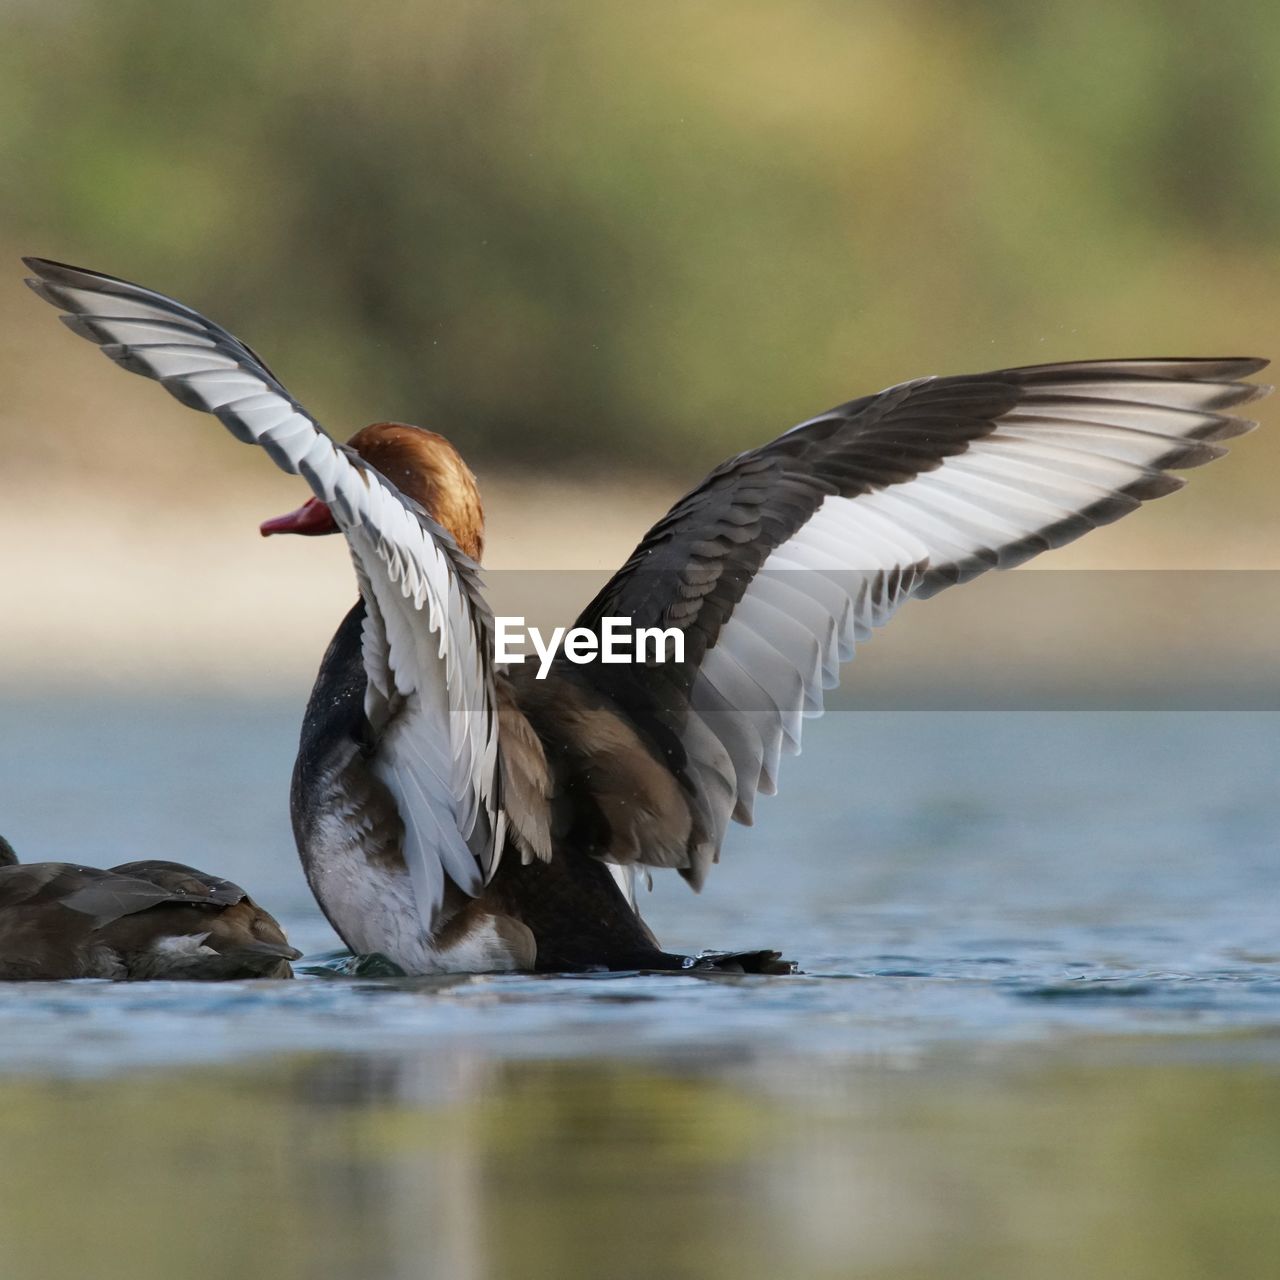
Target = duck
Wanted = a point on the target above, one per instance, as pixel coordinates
(141, 920)
(455, 813)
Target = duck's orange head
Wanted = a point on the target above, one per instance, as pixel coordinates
(424, 466)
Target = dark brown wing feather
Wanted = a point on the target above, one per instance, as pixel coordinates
(183, 883)
(913, 486)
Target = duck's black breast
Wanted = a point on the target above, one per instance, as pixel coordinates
(334, 722)
(334, 742)
(345, 823)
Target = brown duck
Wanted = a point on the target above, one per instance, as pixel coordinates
(455, 815)
(135, 921)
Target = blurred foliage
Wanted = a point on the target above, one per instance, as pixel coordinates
(578, 231)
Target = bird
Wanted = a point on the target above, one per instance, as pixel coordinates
(458, 814)
(140, 920)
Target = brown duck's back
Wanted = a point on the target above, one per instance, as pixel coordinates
(141, 920)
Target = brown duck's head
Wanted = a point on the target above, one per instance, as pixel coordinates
(424, 466)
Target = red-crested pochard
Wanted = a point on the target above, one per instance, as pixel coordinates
(135, 921)
(456, 816)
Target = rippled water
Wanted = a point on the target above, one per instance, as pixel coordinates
(1038, 1031)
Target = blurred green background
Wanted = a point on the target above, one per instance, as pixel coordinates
(649, 235)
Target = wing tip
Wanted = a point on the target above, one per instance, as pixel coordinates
(47, 272)
(41, 290)
(64, 273)
(1249, 365)
(1256, 391)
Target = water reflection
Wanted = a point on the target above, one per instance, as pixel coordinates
(1124, 1161)
(1003, 918)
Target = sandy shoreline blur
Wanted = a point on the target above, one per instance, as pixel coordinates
(108, 588)
(178, 590)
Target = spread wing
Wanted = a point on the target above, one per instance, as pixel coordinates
(786, 557)
(427, 648)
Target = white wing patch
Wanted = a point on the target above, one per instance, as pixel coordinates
(430, 690)
(1067, 458)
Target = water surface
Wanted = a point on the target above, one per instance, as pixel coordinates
(1038, 1032)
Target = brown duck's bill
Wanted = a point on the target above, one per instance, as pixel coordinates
(311, 519)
